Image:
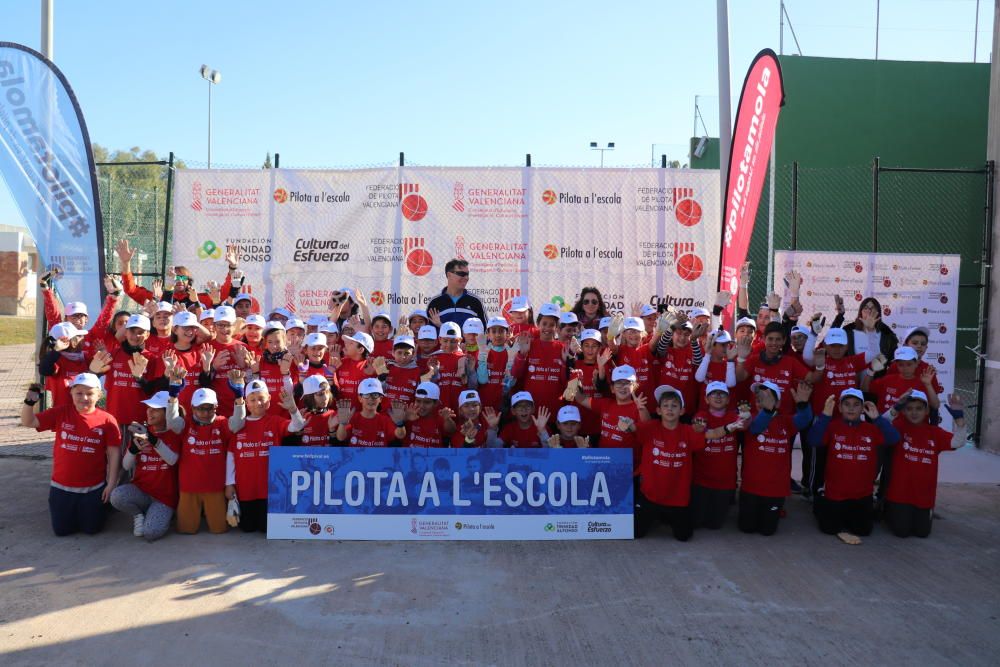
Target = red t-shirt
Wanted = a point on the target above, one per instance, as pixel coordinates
(425, 431)
(889, 388)
(251, 450)
(514, 436)
(202, 464)
(839, 374)
(316, 432)
(401, 385)
(786, 372)
(220, 383)
(767, 459)
(715, 466)
(190, 360)
(491, 393)
(79, 455)
(851, 459)
(545, 374)
(641, 359)
(666, 470)
(458, 438)
(66, 370)
(915, 463)
(590, 421)
(270, 373)
(155, 476)
(158, 344)
(610, 411)
(349, 376)
(516, 329)
(377, 431)
(124, 394)
(716, 373)
(677, 370)
(921, 367)
(449, 382)
(383, 348)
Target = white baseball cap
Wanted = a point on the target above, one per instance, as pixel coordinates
(604, 323)
(568, 318)
(427, 332)
(568, 413)
(255, 387)
(916, 394)
(255, 320)
(591, 334)
(519, 304)
(549, 310)
(851, 392)
(521, 396)
(667, 389)
(87, 380)
(188, 319)
(243, 296)
(201, 396)
(362, 339)
(468, 396)
(801, 330)
(207, 314)
(428, 390)
(329, 327)
(404, 339)
(164, 307)
(836, 336)
(419, 312)
(905, 353)
(381, 315)
(647, 310)
(634, 323)
(917, 330)
(497, 322)
(76, 308)
(225, 314)
(316, 320)
(313, 384)
(450, 330)
(294, 323)
(284, 312)
(746, 322)
(158, 400)
(137, 321)
(625, 372)
(66, 330)
(716, 386)
(724, 337)
(473, 326)
(698, 311)
(315, 339)
(370, 386)
(767, 384)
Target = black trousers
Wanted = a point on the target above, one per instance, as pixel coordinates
(77, 512)
(647, 513)
(908, 520)
(253, 516)
(710, 507)
(853, 516)
(759, 514)
(813, 467)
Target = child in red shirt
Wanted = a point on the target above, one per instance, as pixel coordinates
(540, 364)
(428, 424)
(354, 366)
(369, 427)
(86, 456)
(714, 481)
(402, 375)
(909, 505)
(319, 415)
(621, 412)
(452, 365)
(493, 364)
(477, 429)
(520, 431)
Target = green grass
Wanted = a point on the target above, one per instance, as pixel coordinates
(17, 330)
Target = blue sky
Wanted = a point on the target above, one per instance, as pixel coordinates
(337, 84)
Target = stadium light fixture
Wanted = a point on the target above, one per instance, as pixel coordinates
(595, 147)
(213, 77)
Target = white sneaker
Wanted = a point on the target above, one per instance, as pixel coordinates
(138, 521)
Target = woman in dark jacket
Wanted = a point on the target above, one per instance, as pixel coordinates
(590, 308)
(869, 330)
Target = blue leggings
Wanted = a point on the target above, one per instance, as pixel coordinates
(76, 512)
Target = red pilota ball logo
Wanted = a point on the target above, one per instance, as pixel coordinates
(281, 195)
(551, 251)
(419, 262)
(378, 298)
(688, 212)
(690, 267)
(414, 207)
(549, 197)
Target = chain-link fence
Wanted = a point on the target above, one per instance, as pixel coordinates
(891, 209)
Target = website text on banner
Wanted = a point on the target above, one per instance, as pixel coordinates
(640, 235)
(415, 493)
(47, 164)
(913, 290)
(753, 134)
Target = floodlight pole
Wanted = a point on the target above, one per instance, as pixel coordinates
(725, 108)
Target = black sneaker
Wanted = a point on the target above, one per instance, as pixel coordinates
(796, 487)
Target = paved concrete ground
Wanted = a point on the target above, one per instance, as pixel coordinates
(724, 598)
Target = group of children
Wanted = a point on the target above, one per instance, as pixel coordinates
(199, 385)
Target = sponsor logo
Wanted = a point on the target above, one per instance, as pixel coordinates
(598, 527)
(225, 202)
(568, 252)
(250, 250)
(686, 209)
(315, 528)
(196, 195)
(418, 260)
(689, 265)
(551, 251)
(460, 247)
(552, 197)
(458, 192)
(280, 195)
(209, 250)
(378, 298)
(550, 528)
(321, 250)
(329, 529)
(549, 197)
(489, 202)
(414, 206)
(678, 301)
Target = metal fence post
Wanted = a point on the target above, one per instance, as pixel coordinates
(166, 215)
(986, 276)
(875, 169)
(527, 159)
(795, 205)
(402, 161)
(277, 160)
(663, 161)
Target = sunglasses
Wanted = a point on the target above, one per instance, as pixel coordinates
(461, 274)
(590, 302)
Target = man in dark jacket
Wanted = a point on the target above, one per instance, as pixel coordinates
(455, 304)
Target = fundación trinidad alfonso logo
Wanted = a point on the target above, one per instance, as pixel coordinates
(418, 260)
(686, 209)
(281, 195)
(209, 250)
(413, 205)
(549, 197)
(196, 195)
(378, 298)
(689, 265)
(459, 192)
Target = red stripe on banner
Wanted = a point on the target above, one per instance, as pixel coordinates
(753, 133)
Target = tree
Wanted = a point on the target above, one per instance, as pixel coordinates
(267, 162)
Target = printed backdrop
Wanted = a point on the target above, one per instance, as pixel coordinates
(640, 235)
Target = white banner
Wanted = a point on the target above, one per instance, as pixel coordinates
(913, 290)
(639, 235)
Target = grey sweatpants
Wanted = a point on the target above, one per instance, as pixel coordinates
(132, 500)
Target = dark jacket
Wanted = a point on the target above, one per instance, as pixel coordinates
(468, 305)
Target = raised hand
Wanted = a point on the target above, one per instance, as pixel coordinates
(169, 359)
(871, 411)
(699, 330)
(179, 307)
(412, 414)
(207, 355)
(869, 320)
(829, 405)
(617, 326)
(231, 258)
(101, 363)
(801, 392)
(214, 291)
(574, 347)
(542, 418)
(285, 364)
(604, 357)
(434, 316)
(447, 414)
(397, 411)
(819, 358)
(878, 363)
(699, 425)
(572, 389)
(636, 308)
(838, 303)
(288, 401)
(112, 284)
(794, 281)
(553, 441)
(639, 400)
(359, 297)
(462, 367)
(744, 346)
(157, 289)
(955, 402)
(492, 417)
(177, 374)
(236, 376)
(743, 409)
(626, 424)
(927, 377)
(61, 344)
(137, 364)
(523, 343)
(125, 253)
(221, 359)
(723, 298)
(745, 274)
(345, 410)
(731, 352)
(773, 300)
(816, 323)
(662, 324)
(149, 308)
(380, 366)
(469, 429)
